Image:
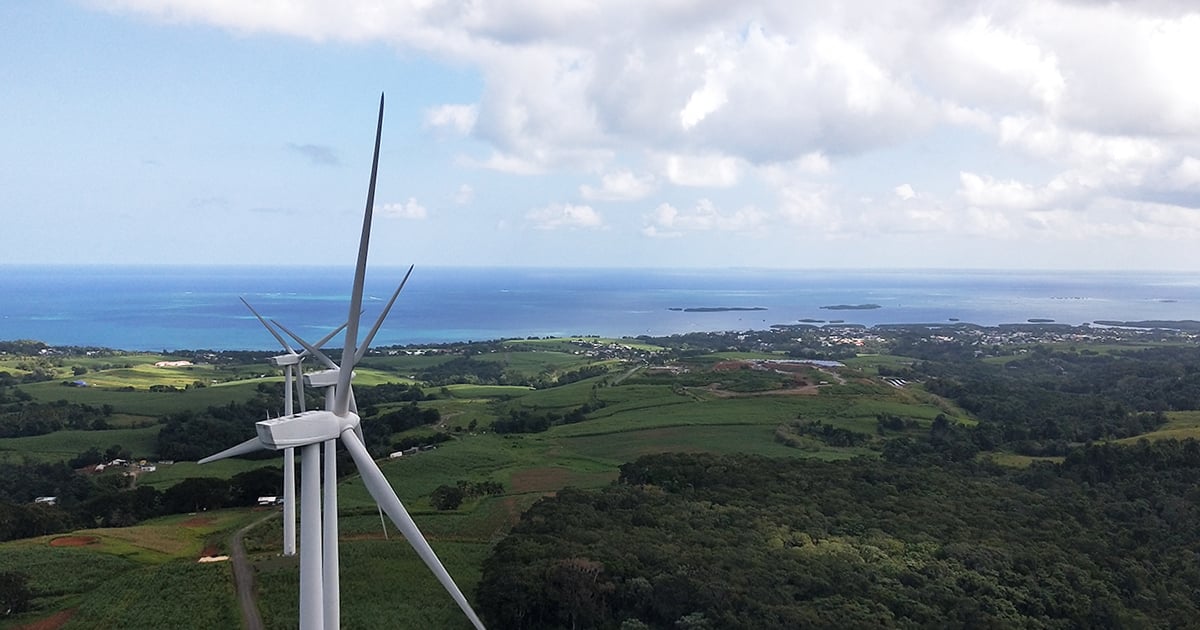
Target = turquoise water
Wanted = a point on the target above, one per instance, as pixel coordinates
(157, 308)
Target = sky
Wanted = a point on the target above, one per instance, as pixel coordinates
(1017, 134)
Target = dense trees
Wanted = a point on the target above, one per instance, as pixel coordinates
(21, 417)
(748, 542)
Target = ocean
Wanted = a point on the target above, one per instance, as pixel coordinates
(175, 307)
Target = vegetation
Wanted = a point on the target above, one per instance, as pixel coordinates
(691, 540)
(878, 482)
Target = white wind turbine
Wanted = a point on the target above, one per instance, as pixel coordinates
(309, 430)
(291, 362)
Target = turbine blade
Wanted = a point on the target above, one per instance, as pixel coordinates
(309, 348)
(274, 334)
(362, 348)
(324, 340)
(249, 446)
(300, 385)
(341, 403)
(383, 494)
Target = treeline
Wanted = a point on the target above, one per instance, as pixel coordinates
(20, 416)
(1107, 539)
(524, 420)
(1047, 400)
(81, 502)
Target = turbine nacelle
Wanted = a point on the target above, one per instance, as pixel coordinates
(323, 378)
(285, 360)
(302, 429)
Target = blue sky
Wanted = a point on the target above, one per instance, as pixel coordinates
(1057, 135)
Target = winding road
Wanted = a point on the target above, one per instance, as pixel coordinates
(243, 575)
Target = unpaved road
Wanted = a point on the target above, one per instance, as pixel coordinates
(243, 575)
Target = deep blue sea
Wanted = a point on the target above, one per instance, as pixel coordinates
(171, 308)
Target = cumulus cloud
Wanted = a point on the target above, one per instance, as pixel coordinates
(667, 220)
(1097, 101)
(619, 186)
(458, 118)
(407, 210)
(569, 216)
(705, 170)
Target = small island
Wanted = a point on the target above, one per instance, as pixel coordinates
(851, 307)
(1039, 320)
(716, 309)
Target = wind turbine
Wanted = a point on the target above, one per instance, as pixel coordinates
(312, 430)
(291, 362)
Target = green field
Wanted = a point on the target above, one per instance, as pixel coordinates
(1181, 425)
(63, 445)
(142, 576)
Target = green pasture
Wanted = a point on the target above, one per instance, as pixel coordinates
(383, 584)
(870, 363)
(562, 397)
(62, 445)
(404, 363)
(1013, 460)
(167, 475)
(145, 375)
(717, 357)
(142, 402)
(536, 362)
(1180, 425)
(141, 576)
(461, 412)
(737, 438)
(467, 391)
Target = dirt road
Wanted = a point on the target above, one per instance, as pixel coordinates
(243, 575)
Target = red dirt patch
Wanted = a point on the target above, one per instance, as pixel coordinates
(540, 479)
(210, 550)
(74, 541)
(197, 521)
(729, 366)
(53, 622)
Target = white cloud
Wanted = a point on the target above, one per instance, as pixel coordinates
(1186, 175)
(986, 192)
(408, 210)
(559, 216)
(458, 118)
(669, 220)
(707, 171)
(619, 186)
(507, 163)
(1031, 117)
(464, 195)
(810, 208)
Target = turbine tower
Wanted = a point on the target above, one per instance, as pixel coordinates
(314, 431)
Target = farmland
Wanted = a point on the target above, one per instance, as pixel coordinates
(533, 416)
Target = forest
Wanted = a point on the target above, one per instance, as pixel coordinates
(1108, 538)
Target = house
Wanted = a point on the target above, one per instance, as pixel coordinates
(46, 500)
(148, 468)
(270, 500)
